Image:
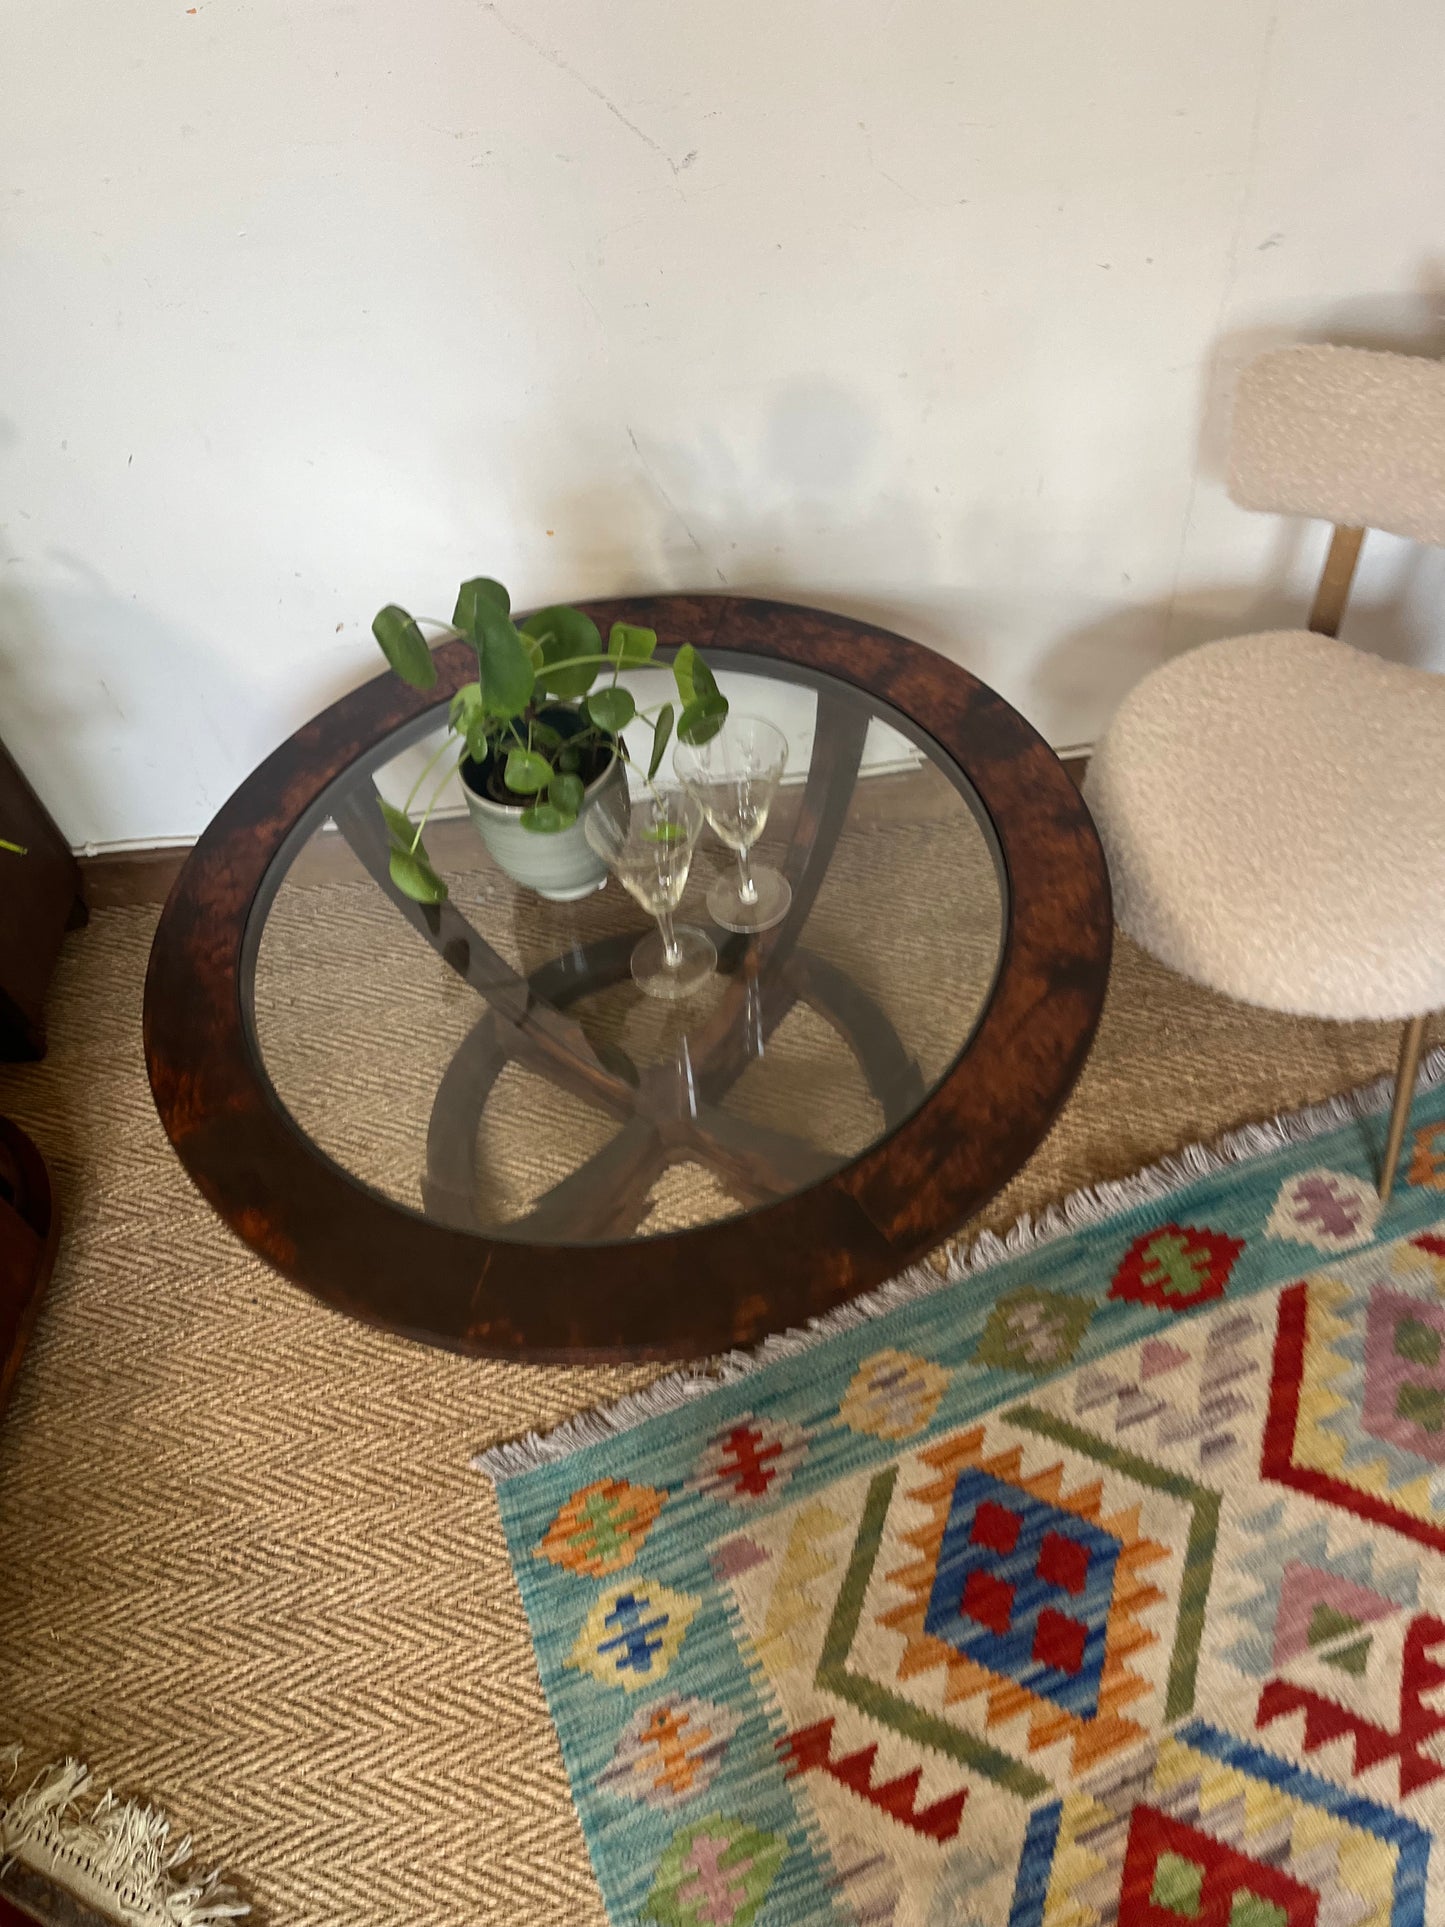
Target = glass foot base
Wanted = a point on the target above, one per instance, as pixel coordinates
(726, 906)
(694, 964)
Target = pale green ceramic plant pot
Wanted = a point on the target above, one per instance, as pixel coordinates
(561, 867)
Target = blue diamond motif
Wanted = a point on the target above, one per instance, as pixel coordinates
(639, 1632)
(1023, 1588)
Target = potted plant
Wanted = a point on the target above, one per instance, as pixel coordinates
(535, 738)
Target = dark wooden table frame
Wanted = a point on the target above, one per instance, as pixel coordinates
(668, 1113)
(42, 899)
(685, 1293)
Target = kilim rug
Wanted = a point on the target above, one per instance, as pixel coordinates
(1105, 1583)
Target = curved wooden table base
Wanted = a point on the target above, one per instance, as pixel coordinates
(674, 1117)
(773, 1266)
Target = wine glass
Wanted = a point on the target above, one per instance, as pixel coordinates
(735, 776)
(647, 842)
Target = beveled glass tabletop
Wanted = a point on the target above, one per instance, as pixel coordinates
(493, 1067)
(461, 1121)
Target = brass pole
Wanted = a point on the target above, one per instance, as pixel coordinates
(1334, 590)
(1411, 1039)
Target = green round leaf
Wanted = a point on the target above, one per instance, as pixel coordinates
(479, 738)
(611, 709)
(566, 625)
(569, 683)
(569, 760)
(546, 819)
(416, 878)
(664, 833)
(565, 633)
(508, 678)
(466, 704)
(567, 792)
(477, 599)
(682, 667)
(504, 659)
(630, 643)
(661, 730)
(526, 772)
(702, 719)
(693, 677)
(404, 646)
(400, 826)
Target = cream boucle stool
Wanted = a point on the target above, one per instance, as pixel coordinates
(1273, 806)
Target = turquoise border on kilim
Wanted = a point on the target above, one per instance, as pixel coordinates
(627, 1839)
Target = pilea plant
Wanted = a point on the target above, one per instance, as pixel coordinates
(534, 726)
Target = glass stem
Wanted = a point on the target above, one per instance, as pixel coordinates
(671, 953)
(747, 889)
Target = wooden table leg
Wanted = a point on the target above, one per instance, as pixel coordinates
(29, 1234)
(604, 1198)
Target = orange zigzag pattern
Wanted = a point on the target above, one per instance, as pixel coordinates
(811, 1748)
(1110, 1728)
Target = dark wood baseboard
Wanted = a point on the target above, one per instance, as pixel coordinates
(144, 877)
(130, 877)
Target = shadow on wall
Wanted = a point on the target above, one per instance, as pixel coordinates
(1392, 323)
(703, 516)
(69, 730)
(59, 711)
(1094, 668)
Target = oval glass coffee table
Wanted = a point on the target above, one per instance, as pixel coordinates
(465, 1122)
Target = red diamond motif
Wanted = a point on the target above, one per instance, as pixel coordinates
(988, 1600)
(1063, 1563)
(1233, 1888)
(1059, 1641)
(996, 1527)
(1176, 1266)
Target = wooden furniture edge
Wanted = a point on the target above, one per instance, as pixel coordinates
(359, 1251)
(41, 892)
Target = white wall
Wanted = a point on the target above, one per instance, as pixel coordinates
(922, 308)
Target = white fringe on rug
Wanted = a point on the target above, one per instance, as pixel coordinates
(115, 1855)
(1089, 1206)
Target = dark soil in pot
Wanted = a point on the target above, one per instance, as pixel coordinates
(486, 779)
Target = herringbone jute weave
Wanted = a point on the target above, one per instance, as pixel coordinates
(244, 1568)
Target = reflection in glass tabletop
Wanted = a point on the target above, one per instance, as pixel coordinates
(492, 1065)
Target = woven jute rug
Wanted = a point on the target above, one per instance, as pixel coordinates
(245, 1570)
(1097, 1586)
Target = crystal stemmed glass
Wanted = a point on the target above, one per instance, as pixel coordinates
(647, 842)
(735, 776)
